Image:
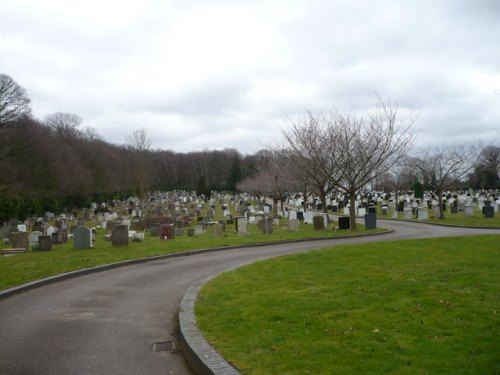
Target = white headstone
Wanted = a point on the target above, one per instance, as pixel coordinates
(308, 217)
(423, 214)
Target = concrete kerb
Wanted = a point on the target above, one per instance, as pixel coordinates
(86, 271)
(200, 355)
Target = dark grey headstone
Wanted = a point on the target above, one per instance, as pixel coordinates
(454, 209)
(154, 229)
(267, 225)
(119, 236)
(44, 243)
(344, 222)
(300, 216)
(319, 223)
(82, 238)
(371, 221)
(489, 212)
(191, 232)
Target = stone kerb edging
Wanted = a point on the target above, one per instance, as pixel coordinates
(200, 355)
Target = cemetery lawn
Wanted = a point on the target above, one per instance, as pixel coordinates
(477, 220)
(408, 307)
(22, 268)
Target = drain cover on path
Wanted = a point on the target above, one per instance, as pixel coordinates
(164, 346)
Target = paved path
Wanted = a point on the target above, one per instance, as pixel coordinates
(106, 323)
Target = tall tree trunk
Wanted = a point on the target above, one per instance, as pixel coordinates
(322, 197)
(352, 210)
(440, 202)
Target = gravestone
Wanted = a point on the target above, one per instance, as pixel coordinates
(241, 225)
(154, 229)
(50, 230)
(82, 238)
(293, 225)
(300, 215)
(138, 237)
(198, 229)
(435, 211)
(190, 232)
(218, 229)
(319, 223)
(423, 214)
(408, 214)
(489, 212)
(119, 236)
(22, 228)
(346, 210)
(178, 232)
(308, 217)
(469, 211)
(361, 211)
(371, 221)
(344, 222)
(62, 236)
(384, 210)
(454, 209)
(167, 232)
(44, 243)
(372, 210)
(267, 226)
(33, 238)
(19, 240)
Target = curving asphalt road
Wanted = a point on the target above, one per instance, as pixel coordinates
(106, 323)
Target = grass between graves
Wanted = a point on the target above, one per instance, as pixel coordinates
(408, 307)
(21, 268)
(476, 220)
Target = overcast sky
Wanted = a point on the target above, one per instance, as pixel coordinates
(226, 74)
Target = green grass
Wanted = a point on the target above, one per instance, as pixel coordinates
(408, 307)
(477, 220)
(22, 268)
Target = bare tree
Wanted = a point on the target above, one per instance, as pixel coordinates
(65, 125)
(14, 110)
(139, 140)
(305, 142)
(400, 177)
(361, 148)
(14, 102)
(139, 143)
(444, 167)
(91, 134)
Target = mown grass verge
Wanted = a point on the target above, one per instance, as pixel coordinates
(25, 267)
(476, 220)
(408, 307)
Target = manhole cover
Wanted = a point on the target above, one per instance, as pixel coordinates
(164, 346)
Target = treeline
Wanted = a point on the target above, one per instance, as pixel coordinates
(56, 164)
(47, 170)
